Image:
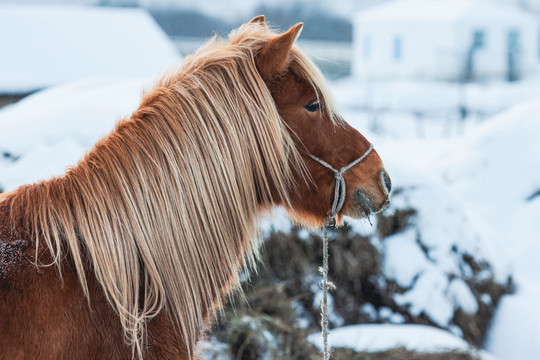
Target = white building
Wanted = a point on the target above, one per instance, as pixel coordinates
(445, 40)
(43, 46)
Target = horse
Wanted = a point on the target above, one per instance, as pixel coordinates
(131, 252)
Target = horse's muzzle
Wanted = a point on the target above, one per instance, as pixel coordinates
(365, 204)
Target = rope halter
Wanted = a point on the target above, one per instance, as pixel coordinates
(340, 190)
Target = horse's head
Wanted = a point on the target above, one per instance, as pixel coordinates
(304, 104)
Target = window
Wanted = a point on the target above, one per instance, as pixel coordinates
(479, 39)
(367, 47)
(397, 48)
(513, 56)
(513, 41)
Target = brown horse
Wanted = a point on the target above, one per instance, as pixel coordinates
(151, 229)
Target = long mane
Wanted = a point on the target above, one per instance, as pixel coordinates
(165, 206)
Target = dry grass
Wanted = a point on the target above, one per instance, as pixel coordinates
(7, 99)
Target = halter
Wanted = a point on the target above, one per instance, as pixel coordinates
(340, 191)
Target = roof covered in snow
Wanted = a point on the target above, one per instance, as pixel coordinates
(443, 11)
(48, 45)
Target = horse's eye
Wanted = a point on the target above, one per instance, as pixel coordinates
(313, 106)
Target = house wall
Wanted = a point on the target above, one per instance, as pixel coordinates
(492, 60)
(438, 51)
(425, 51)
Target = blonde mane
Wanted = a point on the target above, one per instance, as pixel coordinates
(163, 209)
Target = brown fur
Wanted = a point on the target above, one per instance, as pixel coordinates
(150, 230)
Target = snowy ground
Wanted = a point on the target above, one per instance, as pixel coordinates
(496, 170)
(411, 110)
(492, 166)
(45, 132)
(380, 337)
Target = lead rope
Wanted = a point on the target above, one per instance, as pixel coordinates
(326, 286)
(337, 203)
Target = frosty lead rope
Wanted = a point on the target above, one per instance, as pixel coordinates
(326, 286)
(340, 192)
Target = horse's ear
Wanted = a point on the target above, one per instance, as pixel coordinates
(273, 58)
(257, 19)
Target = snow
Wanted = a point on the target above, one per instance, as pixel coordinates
(362, 227)
(52, 129)
(495, 169)
(436, 101)
(515, 332)
(438, 11)
(402, 249)
(489, 167)
(10, 254)
(428, 258)
(462, 296)
(274, 221)
(381, 337)
(385, 313)
(492, 170)
(370, 311)
(212, 349)
(49, 45)
(428, 255)
(428, 297)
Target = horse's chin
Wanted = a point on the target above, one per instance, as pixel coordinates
(362, 205)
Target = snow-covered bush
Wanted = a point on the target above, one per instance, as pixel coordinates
(424, 261)
(495, 169)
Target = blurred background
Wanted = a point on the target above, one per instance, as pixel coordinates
(448, 91)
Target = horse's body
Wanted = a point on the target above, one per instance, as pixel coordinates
(44, 316)
(149, 232)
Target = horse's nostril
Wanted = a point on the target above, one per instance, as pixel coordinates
(385, 179)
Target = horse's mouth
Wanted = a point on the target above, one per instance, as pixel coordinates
(362, 205)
